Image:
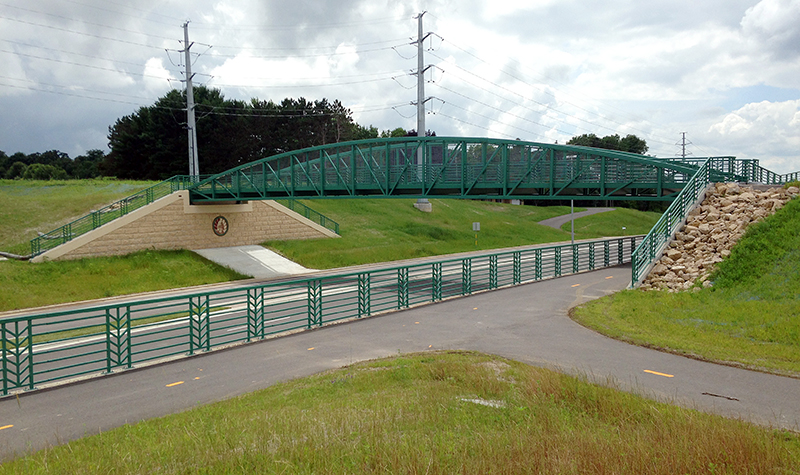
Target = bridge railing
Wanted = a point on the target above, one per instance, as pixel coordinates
(46, 241)
(657, 239)
(52, 347)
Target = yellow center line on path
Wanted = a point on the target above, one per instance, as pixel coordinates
(174, 384)
(311, 348)
(7, 427)
(576, 285)
(610, 277)
(659, 374)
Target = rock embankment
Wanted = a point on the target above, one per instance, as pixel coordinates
(711, 231)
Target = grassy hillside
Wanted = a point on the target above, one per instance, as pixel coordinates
(750, 317)
(28, 206)
(434, 413)
(621, 221)
(379, 230)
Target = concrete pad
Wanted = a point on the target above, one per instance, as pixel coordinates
(254, 261)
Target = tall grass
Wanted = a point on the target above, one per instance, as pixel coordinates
(749, 317)
(435, 413)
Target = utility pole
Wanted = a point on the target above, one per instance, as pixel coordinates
(194, 166)
(683, 143)
(420, 77)
(422, 203)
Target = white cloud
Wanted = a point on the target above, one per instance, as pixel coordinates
(157, 77)
(764, 129)
(774, 23)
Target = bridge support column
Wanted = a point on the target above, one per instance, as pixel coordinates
(424, 205)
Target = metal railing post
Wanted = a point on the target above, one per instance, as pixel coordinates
(402, 287)
(436, 281)
(255, 313)
(364, 295)
(314, 303)
(466, 276)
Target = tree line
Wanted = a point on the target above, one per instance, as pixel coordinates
(51, 165)
(151, 143)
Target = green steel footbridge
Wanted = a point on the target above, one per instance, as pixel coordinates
(473, 168)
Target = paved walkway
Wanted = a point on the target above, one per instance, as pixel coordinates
(559, 221)
(527, 323)
(255, 261)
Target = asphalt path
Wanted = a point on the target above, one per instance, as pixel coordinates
(528, 323)
(559, 221)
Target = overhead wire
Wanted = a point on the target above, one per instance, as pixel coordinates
(503, 71)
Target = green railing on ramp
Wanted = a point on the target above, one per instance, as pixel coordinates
(709, 171)
(658, 237)
(46, 241)
(309, 213)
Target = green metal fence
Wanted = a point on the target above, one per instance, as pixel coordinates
(48, 348)
(658, 237)
(95, 219)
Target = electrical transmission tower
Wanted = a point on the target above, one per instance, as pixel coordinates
(194, 165)
(682, 144)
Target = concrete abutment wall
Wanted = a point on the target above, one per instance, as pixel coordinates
(173, 223)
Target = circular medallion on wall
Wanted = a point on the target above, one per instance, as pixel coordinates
(220, 226)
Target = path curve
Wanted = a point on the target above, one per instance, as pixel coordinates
(528, 323)
(559, 221)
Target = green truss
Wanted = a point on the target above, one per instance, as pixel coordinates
(451, 167)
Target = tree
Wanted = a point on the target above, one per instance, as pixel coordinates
(398, 132)
(5, 162)
(16, 170)
(40, 171)
(630, 143)
(88, 166)
(152, 142)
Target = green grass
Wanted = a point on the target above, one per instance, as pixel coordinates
(26, 285)
(417, 414)
(620, 222)
(28, 206)
(380, 230)
(750, 317)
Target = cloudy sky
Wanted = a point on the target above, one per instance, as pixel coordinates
(726, 72)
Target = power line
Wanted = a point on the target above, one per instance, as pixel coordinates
(317, 55)
(116, 61)
(85, 22)
(67, 30)
(554, 96)
(377, 21)
(308, 48)
(72, 63)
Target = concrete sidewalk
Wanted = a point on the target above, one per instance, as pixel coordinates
(255, 261)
